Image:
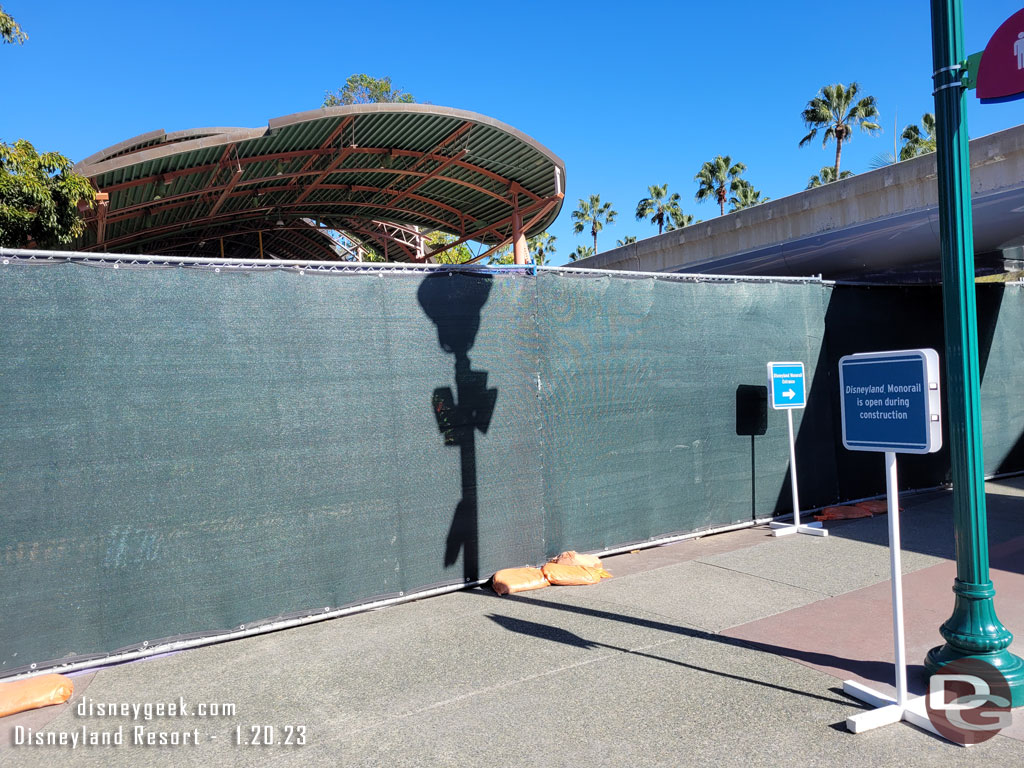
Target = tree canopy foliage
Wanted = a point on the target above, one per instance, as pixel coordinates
(917, 141)
(826, 176)
(837, 109)
(364, 89)
(541, 247)
(10, 30)
(581, 252)
(659, 206)
(745, 196)
(680, 220)
(596, 214)
(39, 197)
(715, 176)
(459, 254)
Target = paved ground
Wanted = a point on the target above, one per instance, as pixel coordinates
(727, 650)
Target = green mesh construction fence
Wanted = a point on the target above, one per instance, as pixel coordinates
(198, 451)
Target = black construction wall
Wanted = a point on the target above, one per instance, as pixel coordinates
(185, 451)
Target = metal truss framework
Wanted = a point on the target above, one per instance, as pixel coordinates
(285, 203)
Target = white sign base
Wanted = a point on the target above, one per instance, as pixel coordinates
(785, 529)
(887, 712)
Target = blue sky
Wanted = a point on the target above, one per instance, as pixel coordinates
(628, 94)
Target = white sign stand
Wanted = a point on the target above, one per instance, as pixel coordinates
(889, 710)
(863, 378)
(795, 396)
(784, 529)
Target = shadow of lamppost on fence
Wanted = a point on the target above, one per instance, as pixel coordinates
(453, 302)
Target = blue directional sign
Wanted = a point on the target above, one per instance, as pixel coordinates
(890, 401)
(786, 385)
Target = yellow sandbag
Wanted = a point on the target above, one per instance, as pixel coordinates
(33, 693)
(575, 558)
(511, 580)
(573, 575)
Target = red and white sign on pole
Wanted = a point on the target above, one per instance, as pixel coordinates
(1001, 70)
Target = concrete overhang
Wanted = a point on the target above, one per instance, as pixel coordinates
(881, 225)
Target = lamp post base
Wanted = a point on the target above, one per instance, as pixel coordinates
(1011, 667)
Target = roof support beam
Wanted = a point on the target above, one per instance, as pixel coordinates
(313, 185)
(235, 177)
(543, 207)
(424, 179)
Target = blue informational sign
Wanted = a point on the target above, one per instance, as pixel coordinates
(786, 385)
(890, 401)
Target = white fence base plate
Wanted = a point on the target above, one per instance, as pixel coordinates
(886, 711)
(784, 529)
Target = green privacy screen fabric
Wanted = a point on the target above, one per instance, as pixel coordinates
(187, 451)
(638, 399)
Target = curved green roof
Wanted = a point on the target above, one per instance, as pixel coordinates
(382, 173)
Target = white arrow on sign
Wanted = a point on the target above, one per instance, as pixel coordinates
(789, 393)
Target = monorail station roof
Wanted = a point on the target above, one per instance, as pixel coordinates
(381, 175)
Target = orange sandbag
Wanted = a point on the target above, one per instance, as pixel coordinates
(876, 506)
(33, 693)
(573, 575)
(575, 558)
(848, 512)
(511, 580)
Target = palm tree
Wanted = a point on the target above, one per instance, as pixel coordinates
(680, 220)
(626, 240)
(581, 252)
(746, 196)
(826, 176)
(713, 177)
(595, 213)
(541, 247)
(837, 110)
(658, 206)
(914, 142)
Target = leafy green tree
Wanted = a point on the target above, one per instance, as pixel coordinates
(745, 196)
(541, 247)
(626, 240)
(837, 110)
(595, 213)
(826, 176)
(659, 206)
(917, 142)
(581, 252)
(460, 254)
(680, 220)
(363, 89)
(714, 176)
(10, 31)
(502, 256)
(39, 198)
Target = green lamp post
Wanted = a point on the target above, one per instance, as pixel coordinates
(974, 629)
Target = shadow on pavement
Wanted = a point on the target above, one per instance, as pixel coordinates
(564, 636)
(871, 670)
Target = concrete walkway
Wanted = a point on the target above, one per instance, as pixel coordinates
(728, 650)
